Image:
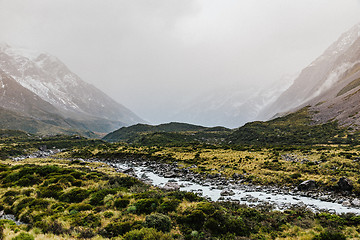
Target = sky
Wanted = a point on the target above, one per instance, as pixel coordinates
(154, 56)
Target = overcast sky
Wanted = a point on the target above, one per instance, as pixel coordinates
(153, 55)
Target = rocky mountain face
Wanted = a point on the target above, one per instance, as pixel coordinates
(40, 86)
(328, 85)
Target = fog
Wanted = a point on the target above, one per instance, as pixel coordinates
(155, 56)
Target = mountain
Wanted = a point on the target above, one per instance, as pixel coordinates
(232, 106)
(40, 86)
(173, 133)
(318, 85)
(125, 133)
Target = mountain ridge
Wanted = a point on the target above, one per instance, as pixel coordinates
(79, 104)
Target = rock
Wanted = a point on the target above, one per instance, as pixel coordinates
(170, 175)
(227, 192)
(43, 148)
(237, 176)
(345, 184)
(171, 186)
(356, 202)
(307, 185)
(129, 171)
(346, 203)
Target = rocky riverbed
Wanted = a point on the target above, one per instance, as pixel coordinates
(216, 187)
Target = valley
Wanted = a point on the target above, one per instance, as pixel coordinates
(252, 159)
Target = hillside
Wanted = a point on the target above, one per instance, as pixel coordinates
(169, 133)
(331, 71)
(51, 88)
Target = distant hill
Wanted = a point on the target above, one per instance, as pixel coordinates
(173, 132)
(297, 128)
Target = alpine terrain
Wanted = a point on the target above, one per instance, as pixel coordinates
(329, 86)
(40, 88)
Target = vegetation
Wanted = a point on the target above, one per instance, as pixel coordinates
(63, 197)
(147, 213)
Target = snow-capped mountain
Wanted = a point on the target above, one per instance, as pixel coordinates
(321, 75)
(232, 106)
(50, 80)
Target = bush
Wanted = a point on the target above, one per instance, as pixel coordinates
(80, 207)
(75, 195)
(169, 205)
(146, 234)
(158, 221)
(146, 205)
(121, 203)
(330, 235)
(52, 191)
(98, 197)
(116, 229)
(23, 236)
(1, 232)
(194, 220)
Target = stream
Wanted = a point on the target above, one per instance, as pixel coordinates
(241, 193)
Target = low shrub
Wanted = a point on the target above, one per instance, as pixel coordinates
(121, 203)
(116, 229)
(146, 234)
(330, 235)
(146, 205)
(23, 236)
(158, 221)
(75, 195)
(98, 197)
(169, 205)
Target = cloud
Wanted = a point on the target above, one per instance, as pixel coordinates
(152, 55)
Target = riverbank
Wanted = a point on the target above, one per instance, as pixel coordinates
(218, 188)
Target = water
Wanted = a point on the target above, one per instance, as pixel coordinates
(243, 196)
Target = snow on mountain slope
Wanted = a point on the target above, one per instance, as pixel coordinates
(52, 81)
(320, 75)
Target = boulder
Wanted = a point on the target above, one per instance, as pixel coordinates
(356, 202)
(307, 185)
(345, 184)
(227, 192)
(171, 186)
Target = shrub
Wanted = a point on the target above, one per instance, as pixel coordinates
(121, 203)
(116, 229)
(91, 220)
(39, 204)
(23, 204)
(23, 236)
(108, 214)
(75, 195)
(98, 197)
(330, 235)
(1, 232)
(194, 220)
(28, 180)
(11, 193)
(158, 221)
(52, 191)
(146, 234)
(80, 207)
(146, 205)
(169, 205)
(206, 207)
